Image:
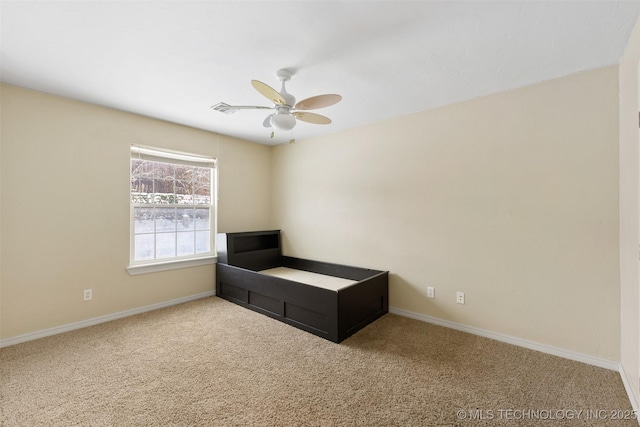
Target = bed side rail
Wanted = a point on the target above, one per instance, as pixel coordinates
(329, 269)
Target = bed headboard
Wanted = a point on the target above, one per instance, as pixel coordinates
(253, 250)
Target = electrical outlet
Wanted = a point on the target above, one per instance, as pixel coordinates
(431, 292)
(460, 297)
(88, 294)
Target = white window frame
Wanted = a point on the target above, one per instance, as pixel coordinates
(176, 157)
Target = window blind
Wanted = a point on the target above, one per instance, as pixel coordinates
(153, 154)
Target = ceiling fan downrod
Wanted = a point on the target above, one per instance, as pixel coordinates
(284, 76)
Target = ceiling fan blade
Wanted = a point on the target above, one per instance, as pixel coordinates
(269, 92)
(319, 101)
(267, 121)
(312, 118)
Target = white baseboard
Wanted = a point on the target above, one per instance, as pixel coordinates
(627, 387)
(544, 348)
(97, 320)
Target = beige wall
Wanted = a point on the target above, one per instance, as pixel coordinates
(511, 198)
(629, 214)
(65, 208)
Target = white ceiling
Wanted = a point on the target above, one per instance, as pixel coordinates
(174, 60)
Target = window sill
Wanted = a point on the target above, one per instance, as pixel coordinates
(170, 265)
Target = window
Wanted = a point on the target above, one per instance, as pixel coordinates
(172, 207)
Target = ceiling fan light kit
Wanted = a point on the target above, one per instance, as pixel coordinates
(287, 114)
(283, 121)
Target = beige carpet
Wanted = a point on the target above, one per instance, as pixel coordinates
(212, 363)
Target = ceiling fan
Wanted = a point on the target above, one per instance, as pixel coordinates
(287, 112)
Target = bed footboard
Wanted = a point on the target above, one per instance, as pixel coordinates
(362, 303)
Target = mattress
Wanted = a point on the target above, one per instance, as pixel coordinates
(314, 279)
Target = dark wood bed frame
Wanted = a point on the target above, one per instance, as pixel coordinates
(333, 315)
